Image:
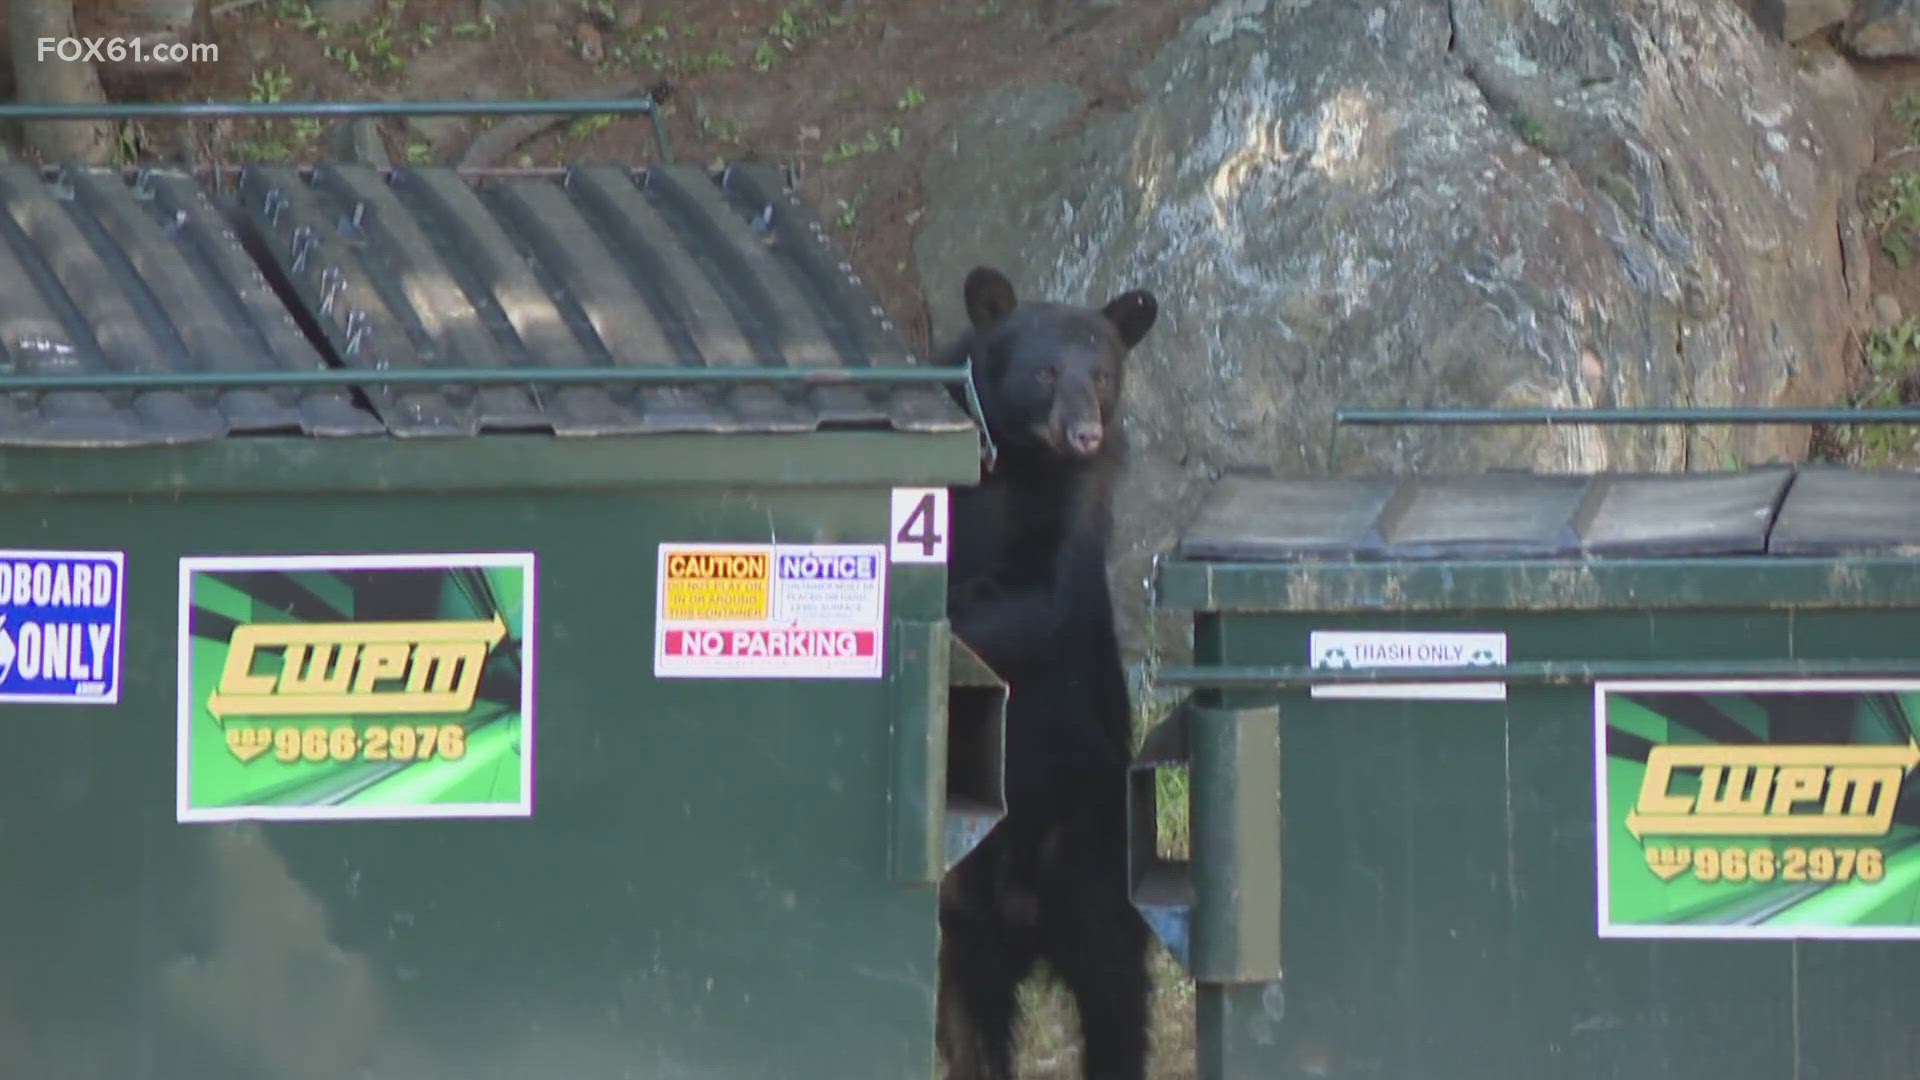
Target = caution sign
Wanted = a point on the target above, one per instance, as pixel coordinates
(770, 611)
(60, 618)
(723, 584)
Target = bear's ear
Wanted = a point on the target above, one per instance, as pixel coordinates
(1132, 313)
(989, 296)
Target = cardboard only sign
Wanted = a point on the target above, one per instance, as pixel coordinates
(60, 618)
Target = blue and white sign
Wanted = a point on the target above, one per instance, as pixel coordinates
(60, 619)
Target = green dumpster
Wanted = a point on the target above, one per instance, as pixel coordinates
(1576, 776)
(469, 626)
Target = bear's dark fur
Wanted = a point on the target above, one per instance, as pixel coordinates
(1028, 593)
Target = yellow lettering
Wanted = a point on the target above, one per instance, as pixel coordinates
(1654, 796)
(446, 667)
(1797, 784)
(334, 668)
(236, 676)
(1724, 790)
(305, 671)
(1753, 790)
(380, 661)
(1874, 790)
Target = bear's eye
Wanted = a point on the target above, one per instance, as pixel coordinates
(1046, 375)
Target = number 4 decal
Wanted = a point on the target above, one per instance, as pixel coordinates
(919, 525)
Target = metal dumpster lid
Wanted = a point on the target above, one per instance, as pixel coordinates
(417, 269)
(1834, 511)
(104, 275)
(1777, 510)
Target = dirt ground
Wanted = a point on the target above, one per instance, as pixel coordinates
(1888, 361)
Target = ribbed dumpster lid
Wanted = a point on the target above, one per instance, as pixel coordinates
(600, 266)
(422, 269)
(1492, 515)
(101, 273)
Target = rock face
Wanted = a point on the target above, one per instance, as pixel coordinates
(1883, 29)
(1793, 20)
(1572, 203)
(1803, 18)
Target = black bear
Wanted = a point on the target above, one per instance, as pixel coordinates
(1028, 593)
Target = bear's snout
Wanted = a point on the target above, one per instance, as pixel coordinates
(1084, 437)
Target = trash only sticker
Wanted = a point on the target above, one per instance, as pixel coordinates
(770, 611)
(356, 686)
(1339, 649)
(60, 617)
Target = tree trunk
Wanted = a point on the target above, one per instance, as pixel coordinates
(155, 23)
(55, 80)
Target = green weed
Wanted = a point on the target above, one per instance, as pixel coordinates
(587, 125)
(1894, 212)
(271, 87)
(311, 23)
(472, 29)
(1170, 787)
(870, 143)
(1893, 379)
(797, 24)
(1907, 110)
(718, 58)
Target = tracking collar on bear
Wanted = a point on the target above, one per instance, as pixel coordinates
(989, 454)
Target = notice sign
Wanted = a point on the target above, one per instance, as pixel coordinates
(60, 618)
(1758, 810)
(1340, 649)
(770, 611)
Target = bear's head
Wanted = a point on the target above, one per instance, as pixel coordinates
(1049, 374)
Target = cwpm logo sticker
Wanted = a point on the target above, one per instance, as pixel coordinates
(1758, 809)
(392, 686)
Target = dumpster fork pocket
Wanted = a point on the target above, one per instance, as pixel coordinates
(1218, 912)
(949, 738)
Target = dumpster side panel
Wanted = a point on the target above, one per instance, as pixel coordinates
(1439, 883)
(702, 889)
